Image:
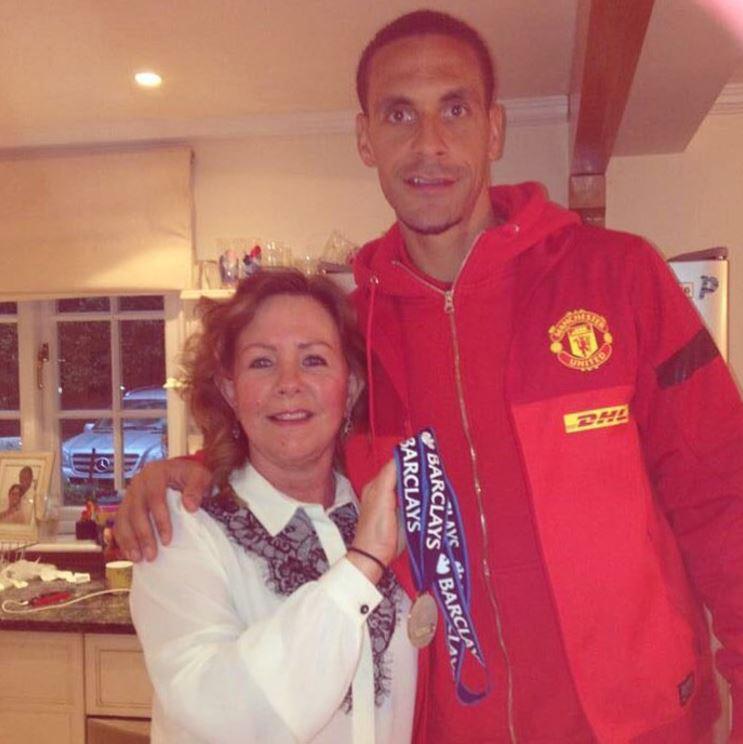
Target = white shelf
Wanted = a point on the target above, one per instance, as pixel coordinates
(215, 294)
(343, 279)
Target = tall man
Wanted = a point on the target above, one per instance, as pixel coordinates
(573, 391)
(26, 481)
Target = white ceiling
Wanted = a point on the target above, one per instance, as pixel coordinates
(234, 66)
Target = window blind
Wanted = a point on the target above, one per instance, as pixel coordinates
(107, 222)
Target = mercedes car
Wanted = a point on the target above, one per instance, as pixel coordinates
(88, 457)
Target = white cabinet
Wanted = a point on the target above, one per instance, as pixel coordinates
(53, 681)
(42, 698)
(116, 681)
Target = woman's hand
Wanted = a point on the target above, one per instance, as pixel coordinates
(377, 530)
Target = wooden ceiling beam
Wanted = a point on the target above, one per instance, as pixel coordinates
(609, 39)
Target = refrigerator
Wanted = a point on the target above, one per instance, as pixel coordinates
(703, 276)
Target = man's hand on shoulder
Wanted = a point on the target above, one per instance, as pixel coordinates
(145, 500)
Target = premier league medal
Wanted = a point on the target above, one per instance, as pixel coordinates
(422, 620)
(437, 549)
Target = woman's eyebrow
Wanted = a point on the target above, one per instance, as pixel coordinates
(273, 347)
(256, 345)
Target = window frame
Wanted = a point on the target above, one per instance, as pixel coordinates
(39, 408)
(7, 414)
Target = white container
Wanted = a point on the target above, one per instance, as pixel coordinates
(704, 277)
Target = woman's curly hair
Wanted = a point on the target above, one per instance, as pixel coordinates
(210, 354)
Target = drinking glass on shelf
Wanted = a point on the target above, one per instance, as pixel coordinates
(307, 264)
(338, 248)
(311, 252)
(271, 254)
(229, 263)
(208, 274)
(288, 257)
(277, 254)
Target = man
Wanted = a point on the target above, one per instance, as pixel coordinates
(585, 419)
(26, 480)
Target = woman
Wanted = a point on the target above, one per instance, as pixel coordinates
(256, 623)
(14, 512)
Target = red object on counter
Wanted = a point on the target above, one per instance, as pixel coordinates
(50, 598)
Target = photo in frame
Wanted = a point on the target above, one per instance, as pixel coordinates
(24, 485)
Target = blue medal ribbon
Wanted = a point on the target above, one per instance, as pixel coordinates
(437, 547)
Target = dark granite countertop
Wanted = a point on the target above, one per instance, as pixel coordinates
(108, 613)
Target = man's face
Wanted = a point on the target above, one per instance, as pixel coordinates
(25, 478)
(429, 132)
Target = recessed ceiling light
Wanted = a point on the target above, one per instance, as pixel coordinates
(148, 79)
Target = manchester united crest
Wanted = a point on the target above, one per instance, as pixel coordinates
(581, 340)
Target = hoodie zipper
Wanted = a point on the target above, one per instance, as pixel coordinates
(448, 296)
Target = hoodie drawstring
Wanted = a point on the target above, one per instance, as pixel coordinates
(374, 282)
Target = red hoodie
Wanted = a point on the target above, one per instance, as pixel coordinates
(593, 436)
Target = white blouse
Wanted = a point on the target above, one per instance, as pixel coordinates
(232, 659)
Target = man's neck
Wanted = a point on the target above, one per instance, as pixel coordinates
(441, 256)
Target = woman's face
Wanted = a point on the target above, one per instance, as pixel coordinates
(14, 496)
(290, 385)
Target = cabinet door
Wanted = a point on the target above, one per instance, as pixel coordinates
(42, 695)
(117, 731)
(116, 681)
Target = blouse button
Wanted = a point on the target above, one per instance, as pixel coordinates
(364, 609)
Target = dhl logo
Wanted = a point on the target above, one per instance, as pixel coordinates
(597, 418)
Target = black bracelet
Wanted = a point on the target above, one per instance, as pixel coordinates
(369, 556)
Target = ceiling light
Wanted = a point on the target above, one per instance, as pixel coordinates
(148, 79)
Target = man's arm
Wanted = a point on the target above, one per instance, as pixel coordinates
(145, 501)
(691, 419)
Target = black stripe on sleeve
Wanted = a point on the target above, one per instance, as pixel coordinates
(700, 350)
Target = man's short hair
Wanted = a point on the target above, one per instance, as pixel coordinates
(420, 23)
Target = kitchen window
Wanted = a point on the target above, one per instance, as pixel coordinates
(86, 379)
(107, 400)
(10, 398)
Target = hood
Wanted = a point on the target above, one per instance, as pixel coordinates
(528, 217)
(527, 220)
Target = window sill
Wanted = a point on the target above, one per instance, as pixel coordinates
(69, 554)
(65, 544)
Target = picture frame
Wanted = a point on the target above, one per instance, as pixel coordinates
(24, 486)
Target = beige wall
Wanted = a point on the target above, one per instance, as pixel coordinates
(687, 202)
(298, 189)
(295, 190)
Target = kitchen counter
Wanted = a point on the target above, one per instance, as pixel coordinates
(78, 672)
(108, 613)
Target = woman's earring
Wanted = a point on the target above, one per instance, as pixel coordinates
(236, 430)
(347, 424)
